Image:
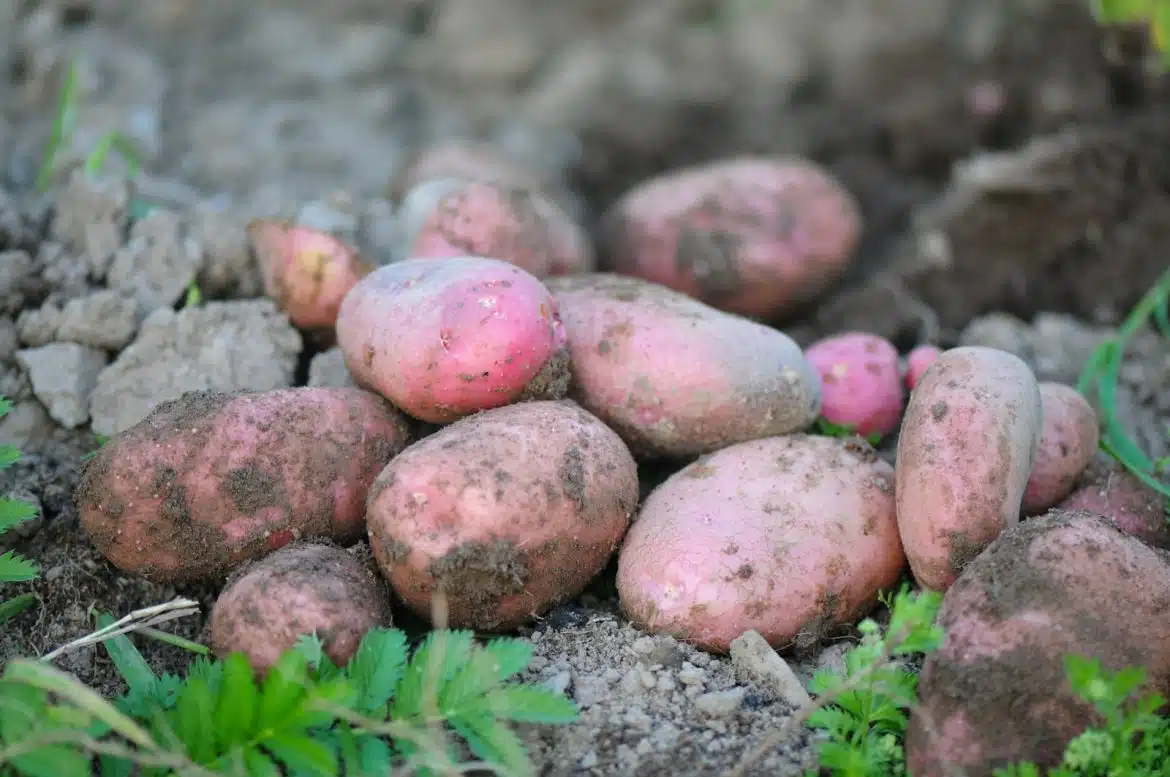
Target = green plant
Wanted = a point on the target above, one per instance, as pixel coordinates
(14, 568)
(307, 716)
(829, 429)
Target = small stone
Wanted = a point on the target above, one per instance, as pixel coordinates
(158, 263)
(328, 369)
(39, 327)
(666, 684)
(690, 674)
(589, 760)
(721, 704)
(104, 319)
(757, 664)
(91, 217)
(644, 645)
(63, 376)
(228, 268)
(16, 275)
(560, 682)
(9, 339)
(26, 425)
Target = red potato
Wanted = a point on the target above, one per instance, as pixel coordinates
(861, 382)
(299, 590)
(918, 361)
(757, 236)
(675, 377)
(968, 442)
(306, 271)
(1068, 442)
(996, 693)
(1108, 490)
(450, 217)
(442, 340)
(211, 480)
(791, 536)
(509, 512)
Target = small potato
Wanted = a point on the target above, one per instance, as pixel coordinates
(508, 512)
(299, 590)
(996, 693)
(791, 536)
(211, 480)
(861, 382)
(442, 340)
(1068, 442)
(968, 442)
(1107, 489)
(756, 236)
(307, 272)
(918, 361)
(450, 217)
(675, 377)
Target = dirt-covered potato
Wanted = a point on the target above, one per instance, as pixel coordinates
(301, 589)
(306, 271)
(966, 448)
(449, 217)
(791, 536)
(756, 236)
(1068, 442)
(509, 512)
(918, 361)
(676, 377)
(861, 381)
(442, 340)
(995, 693)
(210, 480)
(1107, 489)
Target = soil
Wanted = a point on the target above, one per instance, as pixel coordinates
(1008, 157)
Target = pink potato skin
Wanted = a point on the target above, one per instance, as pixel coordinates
(995, 693)
(301, 589)
(918, 361)
(446, 218)
(1068, 442)
(508, 512)
(211, 480)
(966, 449)
(861, 381)
(791, 536)
(442, 340)
(1105, 488)
(675, 377)
(307, 272)
(756, 236)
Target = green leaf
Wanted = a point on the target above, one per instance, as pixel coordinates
(282, 691)
(434, 661)
(511, 655)
(9, 455)
(193, 719)
(114, 766)
(127, 660)
(494, 742)
(14, 512)
(53, 761)
(258, 764)
(302, 754)
(531, 704)
(10, 608)
(373, 756)
(5, 405)
(377, 668)
(237, 702)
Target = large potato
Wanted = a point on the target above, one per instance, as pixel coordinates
(301, 589)
(756, 236)
(791, 536)
(1068, 441)
(675, 377)
(442, 340)
(968, 441)
(210, 480)
(508, 512)
(995, 692)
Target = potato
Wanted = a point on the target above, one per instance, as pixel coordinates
(1107, 489)
(307, 272)
(211, 480)
(508, 512)
(301, 589)
(448, 217)
(968, 441)
(757, 236)
(791, 536)
(918, 361)
(1068, 441)
(861, 383)
(442, 340)
(675, 377)
(995, 693)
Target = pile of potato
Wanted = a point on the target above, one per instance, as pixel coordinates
(512, 379)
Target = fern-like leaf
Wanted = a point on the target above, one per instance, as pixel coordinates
(530, 704)
(377, 668)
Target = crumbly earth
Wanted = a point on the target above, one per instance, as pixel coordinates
(312, 111)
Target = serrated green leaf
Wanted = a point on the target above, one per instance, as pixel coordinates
(114, 766)
(53, 761)
(492, 741)
(436, 659)
(14, 512)
(311, 648)
(511, 654)
(5, 405)
(469, 684)
(373, 756)
(237, 702)
(259, 764)
(15, 568)
(377, 668)
(9, 455)
(530, 704)
(139, 677)
(10, 608)
(302, 754)
(282, 691)
(193, 720)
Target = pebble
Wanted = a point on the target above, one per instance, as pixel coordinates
(104, 319)
(721, 704)
(757, 664)
(63, 377)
